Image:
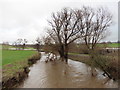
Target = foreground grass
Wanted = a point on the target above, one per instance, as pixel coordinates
(14, 62)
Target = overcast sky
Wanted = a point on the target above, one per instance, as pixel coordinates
(28, 18)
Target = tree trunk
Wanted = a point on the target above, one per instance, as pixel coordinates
(66, 57)
(38, 47)
(61, 52)
(66, 53)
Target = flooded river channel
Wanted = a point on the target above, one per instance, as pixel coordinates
(60, 75)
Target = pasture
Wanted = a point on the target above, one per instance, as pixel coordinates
(11, 56)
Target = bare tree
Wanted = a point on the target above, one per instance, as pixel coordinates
(5, 45)
(71, 24)
(37, 45)
(65, 29)
(15, 44)
(24, 41)
(96, 24)
(50, 49)
(20, 43)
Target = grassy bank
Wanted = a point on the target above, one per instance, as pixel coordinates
(109, 62)
(84, 58)
(15, 65)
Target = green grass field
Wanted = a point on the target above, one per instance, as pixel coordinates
(14, 61)
(10, 56)
(110, 45)
(114, 45)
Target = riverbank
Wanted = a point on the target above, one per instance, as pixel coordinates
(109, 62)
(16, 65)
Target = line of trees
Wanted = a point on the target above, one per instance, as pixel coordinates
(20, 43)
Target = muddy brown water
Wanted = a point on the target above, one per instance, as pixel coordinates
(61, 75)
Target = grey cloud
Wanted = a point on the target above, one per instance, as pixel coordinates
(28, 18)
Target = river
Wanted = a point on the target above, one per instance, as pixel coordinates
(60, 75)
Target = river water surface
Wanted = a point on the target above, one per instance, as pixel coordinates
(60, 75)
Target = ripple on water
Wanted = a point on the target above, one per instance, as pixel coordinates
(61, 75)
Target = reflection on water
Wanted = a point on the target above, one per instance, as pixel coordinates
(61, 75)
